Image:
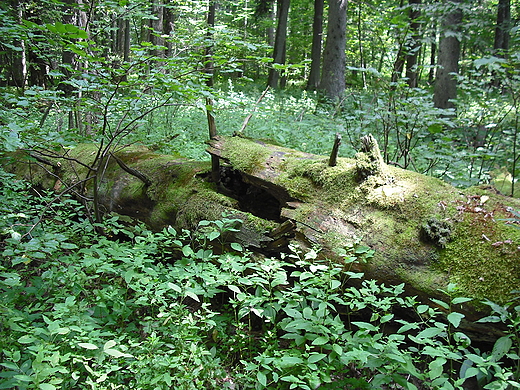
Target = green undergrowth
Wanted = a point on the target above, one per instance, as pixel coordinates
(135, 309)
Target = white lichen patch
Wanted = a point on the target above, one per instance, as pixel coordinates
(389, 195)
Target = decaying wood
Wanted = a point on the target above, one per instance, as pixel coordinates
(419, 226)
(424, 232)
(335, 150)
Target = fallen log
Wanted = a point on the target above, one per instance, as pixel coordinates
(424, 232)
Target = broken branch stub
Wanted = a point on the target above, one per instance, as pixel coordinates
(335, 150)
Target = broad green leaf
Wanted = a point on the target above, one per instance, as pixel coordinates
(316, 357)
(365, 325)
(290, 361)
(338, 349)
(429, 333)
(23, 378)
(459, 300)
(10, 366)
(236, 246)
(320, 340)
(386, 318)
(334, 284)
(174, 287)
(436, 367)
(27, 339)
(187, 251)
(475, 358)
(109, 344)
(262, 378)
(501, 347)
(441, 303)
(213, 235)
(47, 386)
(88, 345)
(290, 378)
(116, 353)
(455, 318)
(192, 295)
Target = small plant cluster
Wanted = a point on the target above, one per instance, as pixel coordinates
(136, 309)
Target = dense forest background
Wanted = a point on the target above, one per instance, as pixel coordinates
(103, 303)
(435, 82)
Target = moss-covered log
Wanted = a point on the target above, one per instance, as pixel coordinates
(425, 232)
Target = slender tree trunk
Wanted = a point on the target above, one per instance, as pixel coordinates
(397, 71)
(362, 60)
(126, 46)
(270, 32)
(414, 44)
(433, 55)
(502, 28)
(501, 44)
(334, 60)
(209, 69)
(157, 28)
(19, 68)
(448, 63)
(169, 19)
(317, 33)
(279, 43)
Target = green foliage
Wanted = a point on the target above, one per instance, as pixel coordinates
(137, 309)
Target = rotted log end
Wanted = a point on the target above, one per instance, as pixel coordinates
(369, 161)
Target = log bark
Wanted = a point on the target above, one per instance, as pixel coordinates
(425, 233)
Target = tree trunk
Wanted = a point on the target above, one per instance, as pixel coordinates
(209, 69)
(362, 60)
(279, 43)
(501, 45)
(317, 35)
(169, 20)
(433, 54)
(397, 71)
(448, 62)
(414, 44)
(68, 58)
(424, 232)
(334, 60)
(157, 28)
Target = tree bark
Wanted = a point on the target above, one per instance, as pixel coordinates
(397, 71)
(157, 25)
(414, 44)
(433, 54)
(445, 90)
(280, 43)
(317, 35)
(501, 45)
(209, 69)
(334, 59)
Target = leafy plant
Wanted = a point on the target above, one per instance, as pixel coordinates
(156, 310)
